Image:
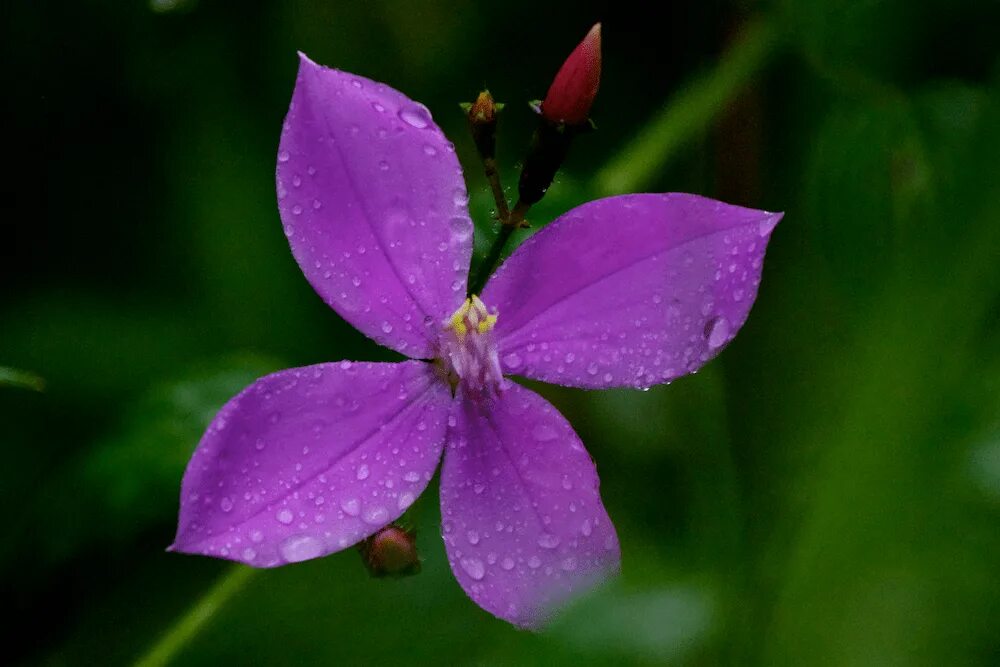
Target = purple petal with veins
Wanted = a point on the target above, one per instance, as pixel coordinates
(523, 521)
(629, 291)
(310, 460)
(374, 206)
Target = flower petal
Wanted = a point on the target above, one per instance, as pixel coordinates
(523, 522)
(629, 291)
(374, 206)
(310, 460)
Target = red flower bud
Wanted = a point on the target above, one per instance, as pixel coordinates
(390, 552)
(573, 90)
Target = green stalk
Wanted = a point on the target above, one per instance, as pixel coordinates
(688, 114)
(188, 625)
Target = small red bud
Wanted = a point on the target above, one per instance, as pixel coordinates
(573, 90)
(391, 552)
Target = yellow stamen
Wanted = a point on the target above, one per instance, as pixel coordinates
(487, 324)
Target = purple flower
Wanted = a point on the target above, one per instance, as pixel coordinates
(627, 291)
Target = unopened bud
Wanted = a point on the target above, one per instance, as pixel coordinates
(573, 90)
(391, 552)
(484, 109)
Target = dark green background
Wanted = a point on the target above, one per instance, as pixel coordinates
(827, 492)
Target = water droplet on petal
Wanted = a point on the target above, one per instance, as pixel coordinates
(376, 515)
(473, 567)
(285, 516)
(283, 156)
(717, 332)
(226, 504)
(512, 360)
(351, 507)
(548, 541)
(405, 500)
(543, 433)
(298, 548)
(362, 472)
(415, 116)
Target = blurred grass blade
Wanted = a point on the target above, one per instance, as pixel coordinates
(174, 639)
(13, 377)
(691, 111)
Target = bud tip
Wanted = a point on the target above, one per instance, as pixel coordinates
(575, 86)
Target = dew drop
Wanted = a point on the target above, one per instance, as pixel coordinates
(362, 472)
(283, 156)
(415, 116)
(405, 500)
(507, 563)
(226, 504)
(473, 567)
(548, 541)
(543, 433)
(473, 537)
(285, 516)
(298, 548)
(430, 150)
(512, 360)
(717, 332)
(351, 507)
(376, 515)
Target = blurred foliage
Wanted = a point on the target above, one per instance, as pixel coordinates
(827, 492)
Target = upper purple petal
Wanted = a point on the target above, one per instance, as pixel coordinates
(629, 291)
(374, 206)
(523, 522)
(310, 460)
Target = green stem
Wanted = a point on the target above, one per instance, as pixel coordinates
(509, 224)
(166, 649)
(688, 113)
(23, 379)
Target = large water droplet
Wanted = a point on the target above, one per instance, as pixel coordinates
(543, 433)
(717, 332)
(285, 516)
(351, 507)
(415, 116)
(376, 515)
(298, 548)
(473, 567)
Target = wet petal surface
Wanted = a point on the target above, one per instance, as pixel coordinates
(522, 518)
(629, 291)
(374, 205)
(310, 460)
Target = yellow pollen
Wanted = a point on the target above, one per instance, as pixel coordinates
(473, 313)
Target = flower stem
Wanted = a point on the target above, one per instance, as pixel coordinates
(511, 222)
(493, 177)
(188, 626)
(23, 379)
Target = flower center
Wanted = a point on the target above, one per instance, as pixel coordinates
(468, 350)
